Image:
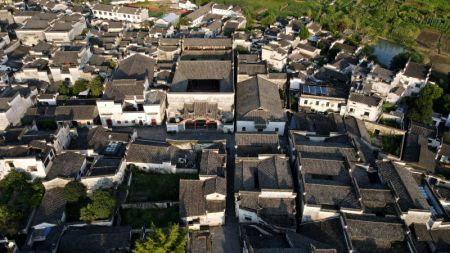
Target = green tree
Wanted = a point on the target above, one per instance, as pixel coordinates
(112, 64)
(18, 195)
(421, 107)
(184, 21)
(303, 33)
(79, 86)
(268, 20)
(96, 86)
(333, 52)
(442, 105)
(74, 191)
(399, 61)
(101, 206)
(170, 240)
(64, 89)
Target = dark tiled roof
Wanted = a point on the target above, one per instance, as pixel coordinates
(252, 69)
(212, 163)
(268, 173)
(98, 239)
(97, 138)
(382, 73)
(64, 113)
(66, 165)
(199, 241)
(278, 211)
(319, 123)
(136, 67)
(331, 195)
(192, 200)
(193, 196)
(118, 90)
(329, 231)
(364, 99)
(376, 234)
(257, 100)
(65, 58)
(149, 153)
(252, 144)
(217, 42)
(203, 10)
(416, 70)
(52, 207)
(202, 70)
(404, 185)
(422, 129)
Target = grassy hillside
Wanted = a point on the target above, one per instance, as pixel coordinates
(400, 20)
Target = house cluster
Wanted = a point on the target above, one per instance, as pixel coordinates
(213, 20)
(298, 140)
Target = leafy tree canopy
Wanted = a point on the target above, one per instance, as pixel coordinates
(74, 191)
(18, 195)
(421, 107)
(64, 89)
(96, 86)
(163, 241)
(303, 33)
(399, 61)
(101, 206)
(79, 86)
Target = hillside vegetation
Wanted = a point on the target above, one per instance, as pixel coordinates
(400, 20)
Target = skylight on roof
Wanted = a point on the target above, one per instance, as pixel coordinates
(315, 90)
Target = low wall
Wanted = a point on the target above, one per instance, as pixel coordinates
(150, 205)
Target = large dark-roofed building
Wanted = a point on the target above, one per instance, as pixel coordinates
(137, 66)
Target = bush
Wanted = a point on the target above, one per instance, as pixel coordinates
(388, 107)
(138, 218)
(79, 86)
(74, 191)
(101, 206)
(392, 144)
(390, 123)
(96, 86)
(446, 138)
(64, 89)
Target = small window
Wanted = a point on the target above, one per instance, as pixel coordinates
(126, 121)
(119, 122)
(366, 113)
(352, 110)
(276, 129)
(306, 102)
(244, 129)
(247, 218)
(317, 102)
(133, 121)
(32, 169)
(88, 122)
(328, 104)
